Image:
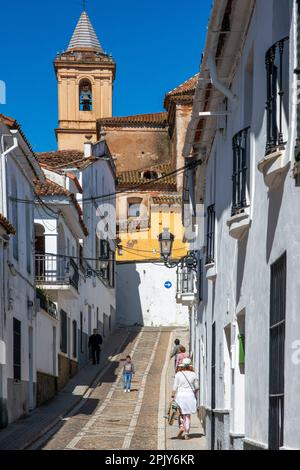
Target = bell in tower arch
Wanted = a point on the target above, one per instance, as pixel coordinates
(86, 98)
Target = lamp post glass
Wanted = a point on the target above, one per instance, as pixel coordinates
(166, 240)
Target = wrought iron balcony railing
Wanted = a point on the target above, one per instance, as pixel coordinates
(277, 88)
(240, 176)
(210, 235)
(132, 225)
(54, 270)
(185, 281)
(46, 303)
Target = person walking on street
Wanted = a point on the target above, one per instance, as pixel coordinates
(128, 371)
(181, 355)
(175, 350)
(95, 341)
(185, 389)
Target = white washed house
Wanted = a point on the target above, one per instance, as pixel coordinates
(244, 317)
(73, 247)
(59, 227)
(19, 169)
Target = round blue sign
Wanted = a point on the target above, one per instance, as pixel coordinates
(168, 285)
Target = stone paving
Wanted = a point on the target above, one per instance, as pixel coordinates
(197, 440)
(24, 432)
(118, 420)
(101, 415)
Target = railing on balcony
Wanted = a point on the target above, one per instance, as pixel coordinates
(185, 280)
(240, 176)
(46, 303)
(132, 225)
(277, 88)
(54, 270)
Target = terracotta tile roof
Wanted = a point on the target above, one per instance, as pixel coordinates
(13, 124)
(64, 159)
(7, 225)
(138, 120)
(166, 199)
(50, 188)
(127, 179)
(184, 92)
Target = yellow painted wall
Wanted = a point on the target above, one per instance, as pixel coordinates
(144, 245)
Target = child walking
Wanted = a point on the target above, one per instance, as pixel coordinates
(128, 372)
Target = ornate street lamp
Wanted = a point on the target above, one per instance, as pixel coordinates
(166, 240)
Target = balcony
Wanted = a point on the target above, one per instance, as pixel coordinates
(46, 304)
(132, 224)
(57, 274)
(273, 165)
(186, 292)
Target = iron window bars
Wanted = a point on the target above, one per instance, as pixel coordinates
(210, 234)
(240, 176)
(277, 353)
(275, 94)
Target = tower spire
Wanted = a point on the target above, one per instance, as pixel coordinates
(84, 35)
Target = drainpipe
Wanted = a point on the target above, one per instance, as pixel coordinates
(216, 82)
(3, 359)
(4, 153)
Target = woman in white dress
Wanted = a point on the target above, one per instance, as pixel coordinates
(184, 392)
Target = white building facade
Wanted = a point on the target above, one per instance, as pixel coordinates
(245, 328)
(19, 169)
(73, 249)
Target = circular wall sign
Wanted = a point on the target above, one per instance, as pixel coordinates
(168, 284)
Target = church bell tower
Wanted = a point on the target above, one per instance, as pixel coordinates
(85, 76)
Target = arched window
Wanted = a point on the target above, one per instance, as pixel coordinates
(85, 95)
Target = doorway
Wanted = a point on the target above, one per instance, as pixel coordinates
(213, 386)
(277, 356)
(30, 366)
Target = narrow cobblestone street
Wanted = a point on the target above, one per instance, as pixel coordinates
(111, 419)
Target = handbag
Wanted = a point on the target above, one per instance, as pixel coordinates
(174, 412)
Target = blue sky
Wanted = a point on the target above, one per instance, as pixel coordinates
(156, 43)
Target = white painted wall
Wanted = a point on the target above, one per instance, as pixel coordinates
(243, 268)
(44, 343)
(142, 297)
(18, 288)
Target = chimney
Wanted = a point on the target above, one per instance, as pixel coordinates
(88, 146)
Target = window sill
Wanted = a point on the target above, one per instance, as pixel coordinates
(273, 168)
(211, 271)
(188, 298)
(239, 224)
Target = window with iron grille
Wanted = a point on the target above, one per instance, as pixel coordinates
(277, 65)
(277, 353)
(17, 348)
(74, 338)
(200, 280)
(241, 171)
(81, 332)
(111, 269)
(210, 234)
(63, 332)
(104, 255)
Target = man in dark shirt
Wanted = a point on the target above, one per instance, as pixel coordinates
(175, 350)
(95, 341)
